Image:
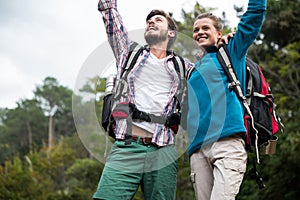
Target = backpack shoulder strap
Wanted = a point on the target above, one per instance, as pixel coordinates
(134, 52)
(179, 66)
(249, 90)
(234, 83)
(224, 59)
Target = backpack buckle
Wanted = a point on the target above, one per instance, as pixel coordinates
(144, 116)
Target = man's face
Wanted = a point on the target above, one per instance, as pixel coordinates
(156, 30)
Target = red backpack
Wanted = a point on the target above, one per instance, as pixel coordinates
(261, 120)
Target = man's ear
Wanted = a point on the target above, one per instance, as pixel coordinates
(171, 33)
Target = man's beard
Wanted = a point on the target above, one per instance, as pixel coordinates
(153, 39)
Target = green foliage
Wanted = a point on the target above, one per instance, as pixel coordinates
(19, 182)
(51, 94)
(83, 177)
(19, 132)
(282, 24)
(49, 174)
(285, 74)
(184, 184)
(75, 143)
(53, 163)
(25, 128)
(95, 86)
(284, 179)
(279, 172)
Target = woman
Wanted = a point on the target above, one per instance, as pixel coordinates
(215, 122)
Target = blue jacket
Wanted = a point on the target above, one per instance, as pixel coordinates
(215, 111)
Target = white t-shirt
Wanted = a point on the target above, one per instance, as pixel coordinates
(152, 89)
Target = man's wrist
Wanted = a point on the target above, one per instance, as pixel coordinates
(106, 4)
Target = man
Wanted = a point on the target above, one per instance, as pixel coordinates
(143, 153)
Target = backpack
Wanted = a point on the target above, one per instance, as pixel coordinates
(112, 110)
(261, 121)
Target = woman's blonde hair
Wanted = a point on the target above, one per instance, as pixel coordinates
(216, 20)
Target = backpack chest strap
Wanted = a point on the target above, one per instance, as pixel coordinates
(136, 114)
(130, 112)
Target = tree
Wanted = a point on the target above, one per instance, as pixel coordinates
(19, 132)
(25, 127)
(19, 182)
(51, 94)
(282, 24)
(82, 178)
(278, 54)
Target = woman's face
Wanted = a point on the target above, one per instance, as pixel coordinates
(205, 34)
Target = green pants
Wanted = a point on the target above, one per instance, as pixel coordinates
(132, 165)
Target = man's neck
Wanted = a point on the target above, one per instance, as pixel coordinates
(158, 52)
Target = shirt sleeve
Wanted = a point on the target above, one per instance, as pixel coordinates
(104, 5)
(116, 32)
(247, 31)
(249, 27)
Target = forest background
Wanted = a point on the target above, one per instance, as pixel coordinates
(42, 156)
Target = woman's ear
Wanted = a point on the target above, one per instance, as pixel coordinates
(220, 33)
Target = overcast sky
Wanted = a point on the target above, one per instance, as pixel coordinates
(40, 38)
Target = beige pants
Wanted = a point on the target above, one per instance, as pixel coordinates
(217, 169)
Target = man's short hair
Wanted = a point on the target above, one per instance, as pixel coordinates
(171, 23)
